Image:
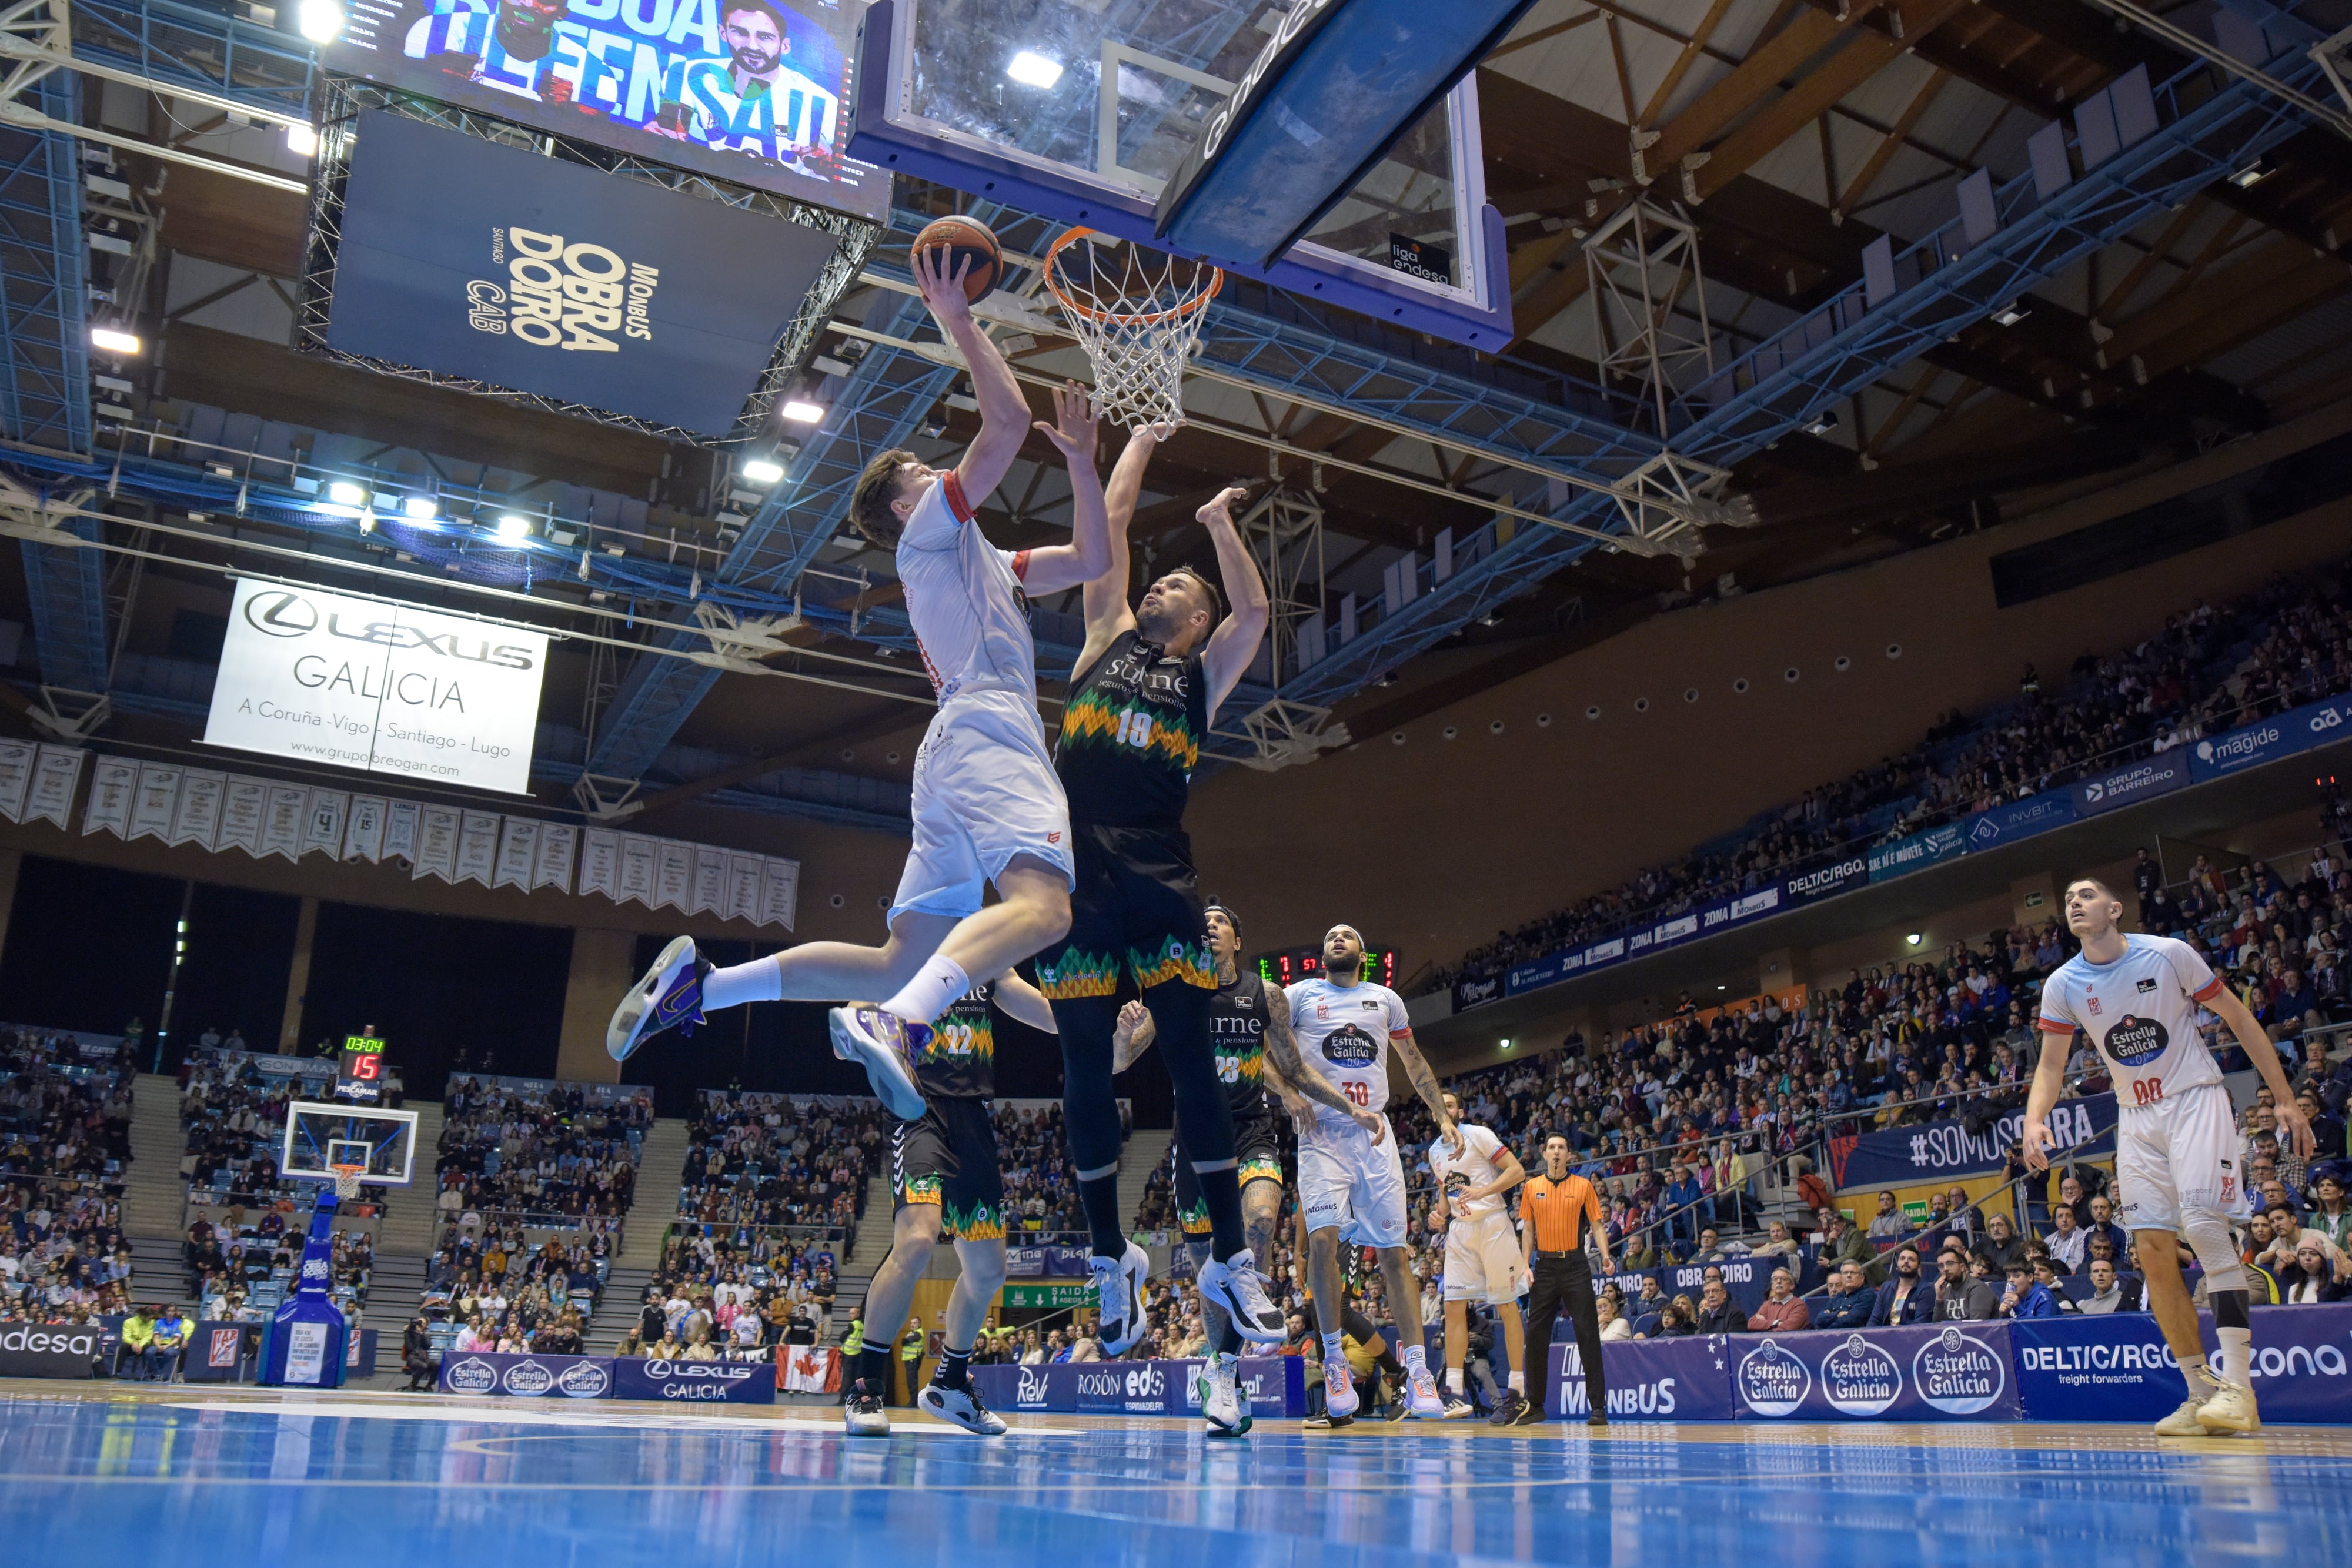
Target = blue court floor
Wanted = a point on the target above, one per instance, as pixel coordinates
(97, 1474)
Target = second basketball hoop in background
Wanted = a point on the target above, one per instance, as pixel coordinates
(1138, 314)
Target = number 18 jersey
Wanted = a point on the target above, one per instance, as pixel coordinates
(1345, 1030)
(2141, 1012)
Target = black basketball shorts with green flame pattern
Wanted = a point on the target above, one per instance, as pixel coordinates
(948, 1158)
(1137, 905)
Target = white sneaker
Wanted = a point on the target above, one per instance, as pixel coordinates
(2231, 1409)
(1118, 1288)
(963, 1406)
(2183, 1422)
(1236, 1286)
(1339, 1391)
(865, 1417)
(884, 1043)
(1224, 1403)
(1422, 1402)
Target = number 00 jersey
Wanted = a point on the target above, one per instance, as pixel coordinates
(1237, 1033)
(1345, 1030)
(959, 1061)
(1132, 736)
(2141, 1012)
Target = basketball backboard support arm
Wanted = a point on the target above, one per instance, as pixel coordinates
(889, 127)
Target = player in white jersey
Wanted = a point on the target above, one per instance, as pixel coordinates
(2177, 1149)
(1350, 1179)
(988, 808)
(1482, 1261)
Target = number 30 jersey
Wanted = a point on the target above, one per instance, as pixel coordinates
(1345, 1030)
(2141, 1012)
(1132, 736)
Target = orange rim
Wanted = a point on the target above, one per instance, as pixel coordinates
(1122, 317)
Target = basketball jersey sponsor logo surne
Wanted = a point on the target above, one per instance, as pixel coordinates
(1347, 1029)
(1132, 736)
(964, 600)
(2140, 1012)
(958, 1060)
(1237, 1035)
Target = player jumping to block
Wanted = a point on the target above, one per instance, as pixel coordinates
(1255, 1054)
(1350, 1179)
(987, 806)
(1146, 688)
(2177, 1149)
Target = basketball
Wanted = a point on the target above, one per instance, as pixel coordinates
(965, 241)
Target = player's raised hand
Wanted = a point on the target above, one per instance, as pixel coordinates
(2037, 1141)
(1218, 510)
(942, 291)
(1073, 430)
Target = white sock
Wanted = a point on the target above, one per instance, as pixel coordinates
(1416, 1358)
(2237, 1356)
(2193, 1368)
(758, 981)
(1334, 1352)
(934, 989)
(1517, 1383)
(1454, 1379)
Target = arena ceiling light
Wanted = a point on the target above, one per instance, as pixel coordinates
(801, 412)
(1822, 422)
(1914, 939)
(1031, 68)
(513, 526)
(2255, 173)
(761, 471)
(322, 21)
(113, 340)
(343, 493)
(302, 140)
(2010, 314)
(420, 508)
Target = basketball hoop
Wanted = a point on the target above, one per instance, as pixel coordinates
(347, 1181)
(1137, 317)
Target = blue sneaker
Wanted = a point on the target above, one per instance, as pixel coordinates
(669, 997)
(886, 1044)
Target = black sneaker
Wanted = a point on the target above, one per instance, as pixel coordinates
(1509, 1409)
(865, 1417)
(963, 1406)
(1327, 1423)
(1596, 1419)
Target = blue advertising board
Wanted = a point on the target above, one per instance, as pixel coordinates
(2112, 1366)
(2131, 784)
(1276, 1387)
(488, 262)
(1933, 1151)
(1919, 851)
(1826, 882)
(1938, 1372)
(1681, 1379)
(695, 1382)
(2250, 746)
(2019, 818)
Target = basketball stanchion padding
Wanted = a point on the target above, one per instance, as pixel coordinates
(1138, 314)
(968, 244)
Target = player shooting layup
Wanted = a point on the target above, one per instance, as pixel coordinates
(2177, 1148)
(1146, 688)
(987, 806)
(1350, 1177)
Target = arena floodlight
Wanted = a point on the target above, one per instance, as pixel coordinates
(420, 508)
(802, 411)
(513, 526)
(113, 340)
(302, 140)
(761, 471)
(1031, 68)
(322, 21)
(343, 493)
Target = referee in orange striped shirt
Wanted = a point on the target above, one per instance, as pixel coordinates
(1555, 1210)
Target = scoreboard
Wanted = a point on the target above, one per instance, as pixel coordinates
(359, 1071)
(1288, 966)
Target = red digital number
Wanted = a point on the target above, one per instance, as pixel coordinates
(367, 1066)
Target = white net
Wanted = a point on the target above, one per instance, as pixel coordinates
(1137, 315)
(347, 1182)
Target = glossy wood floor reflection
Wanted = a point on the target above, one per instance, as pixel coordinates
(174, 1479)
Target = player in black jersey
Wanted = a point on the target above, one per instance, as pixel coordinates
(944, 1178)
(1257, 1062)
(1146, 688)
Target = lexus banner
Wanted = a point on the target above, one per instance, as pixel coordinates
(383, 688)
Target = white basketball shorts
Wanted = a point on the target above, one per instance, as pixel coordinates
(2176, 1157)
(985, 791)
(1482, 1260)
(1347, 1181)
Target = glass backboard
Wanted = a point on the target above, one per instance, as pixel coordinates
(319, 1137)
(1083, 110)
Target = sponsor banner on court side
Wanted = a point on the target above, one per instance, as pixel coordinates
(695, 1382)
(527, 1377)
(1917, 853)
(2250, 746)
(2019, 820)
(2131, 784)
(1747, 1281)
(1657, 1380)
(1276, 1385)
(2107, 1368)
(2303, 1363)
(2084, 1128)
(1940, 1372)
(53, 1350)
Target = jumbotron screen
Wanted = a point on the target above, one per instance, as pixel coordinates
(748, 91)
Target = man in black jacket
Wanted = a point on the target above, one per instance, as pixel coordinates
(2110, 1292)
(416, 1357)
(1908, 1298)
(1850, 1301)
(1716, 1313)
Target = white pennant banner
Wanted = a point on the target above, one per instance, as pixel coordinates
(157, 798)
(243, 803)
(16, 759)
(557, 841)
(364, 834)
(477, 847)
(112, 784)
(518, 848)
(436, 842)
(197, 821)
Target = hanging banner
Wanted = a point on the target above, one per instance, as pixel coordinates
(16, 759)
(673, 873)
(557, 841)
(636, 878)
(1919, 851)
(2131, 784)
(112, 784)
(745, 874)
(157, 798)
(364, 834)
(600, 862)
(197, 820)
(1933, 1151)
(436, 841)
(518, 843)
(243, 803)
(477, 847)
(2250, 746)
(710, 880)
(322, 829)
(282, 823)
(778, 891)
(400, 829)
(55, 775)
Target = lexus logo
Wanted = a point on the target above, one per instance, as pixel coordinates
(281, 614)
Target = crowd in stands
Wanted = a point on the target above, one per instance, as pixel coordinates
(553, 1154)
(710, 1299)
(233, 1116)
(230, 1260)
(63, 1256)
(65, 1138)
(2208, 671)
(755, 1160)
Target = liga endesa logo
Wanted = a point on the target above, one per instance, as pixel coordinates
(34, 1341)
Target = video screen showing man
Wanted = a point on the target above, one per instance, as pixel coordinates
(757, 99)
